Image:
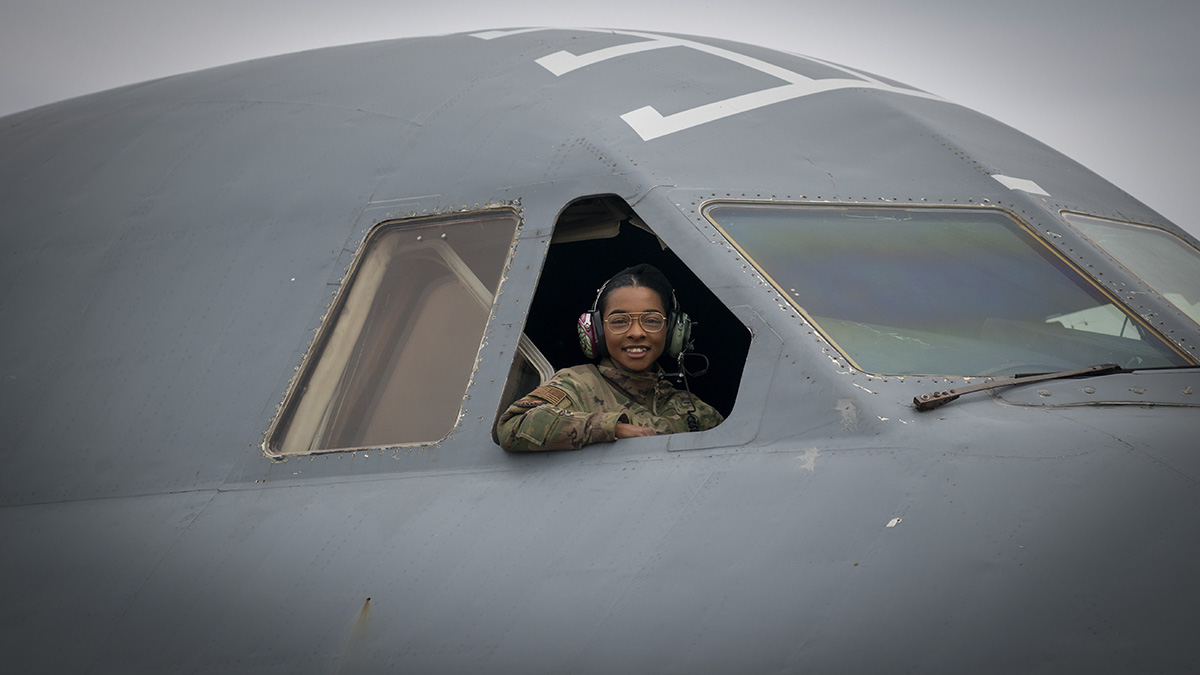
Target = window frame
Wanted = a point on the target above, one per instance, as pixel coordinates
(273, 443)
(706, 208)
(1078, 221)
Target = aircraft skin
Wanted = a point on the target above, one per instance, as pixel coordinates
(171, 248)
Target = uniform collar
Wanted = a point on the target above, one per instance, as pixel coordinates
(639, 386)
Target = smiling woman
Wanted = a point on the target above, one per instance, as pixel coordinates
(634, 339)
(625, 395)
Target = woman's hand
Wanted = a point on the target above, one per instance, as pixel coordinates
(632, 430)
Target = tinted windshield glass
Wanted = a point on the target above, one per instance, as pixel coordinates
(1165, 262)
(938, 291)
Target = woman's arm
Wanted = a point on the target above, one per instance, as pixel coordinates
(547, 419)
(632, 430)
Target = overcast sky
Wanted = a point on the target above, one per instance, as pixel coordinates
(1114, 84)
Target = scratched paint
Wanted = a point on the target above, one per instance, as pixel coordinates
(809, 459)
(849, 414)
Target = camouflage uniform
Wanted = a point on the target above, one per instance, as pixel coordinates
(582, 405)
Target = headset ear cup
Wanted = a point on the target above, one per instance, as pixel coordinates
(587, 335)
(680, 333)
(591, 335)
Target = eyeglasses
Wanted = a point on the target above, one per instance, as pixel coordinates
(620, 322)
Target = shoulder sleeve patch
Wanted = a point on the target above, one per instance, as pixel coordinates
(552, 395)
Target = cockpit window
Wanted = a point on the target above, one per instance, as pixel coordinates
(393, 360)
(1165, 262)
(594, 238)
(938, 291)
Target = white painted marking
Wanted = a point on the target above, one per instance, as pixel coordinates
(561, 63)
(650, 124)
(850, 71)
(893, 522)
(1020, 184)
(493, 34)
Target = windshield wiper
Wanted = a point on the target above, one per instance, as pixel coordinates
(935, 399)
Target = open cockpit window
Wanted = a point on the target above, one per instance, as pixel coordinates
(393, 360)
(593, 239)
(939, 291)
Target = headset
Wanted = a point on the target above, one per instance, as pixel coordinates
(591, 329)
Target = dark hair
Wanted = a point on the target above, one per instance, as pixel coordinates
(636, 276)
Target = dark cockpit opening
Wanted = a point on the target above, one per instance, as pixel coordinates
(595, 238)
